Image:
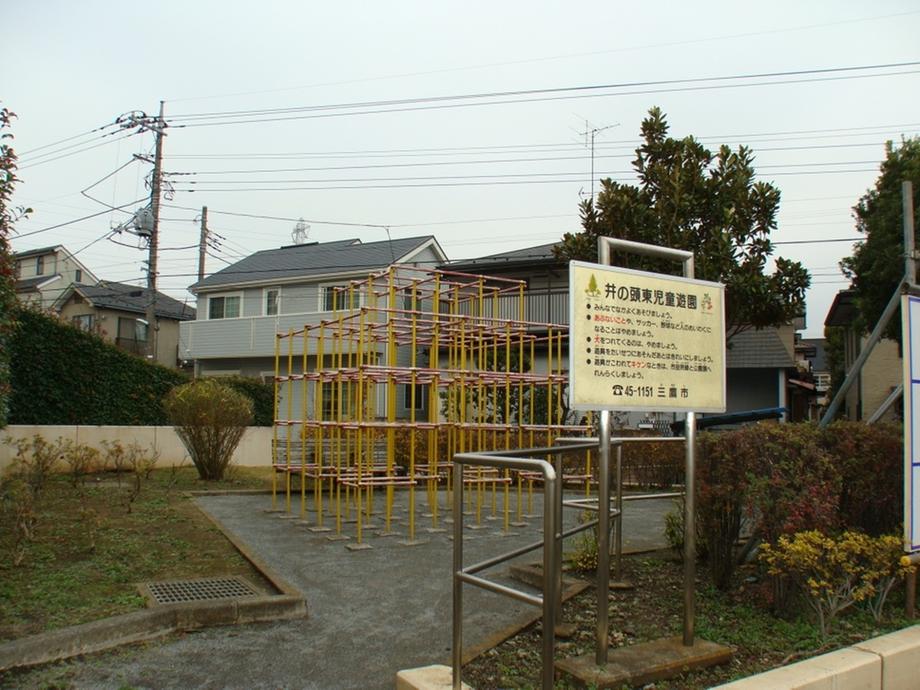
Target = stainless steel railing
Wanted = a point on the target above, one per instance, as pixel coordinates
(553, 535)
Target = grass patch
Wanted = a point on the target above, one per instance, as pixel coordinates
(92, 544)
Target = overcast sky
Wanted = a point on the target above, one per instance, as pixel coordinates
(484, 175)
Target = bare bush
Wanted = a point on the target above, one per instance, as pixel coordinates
(81, 460)
(35, 460)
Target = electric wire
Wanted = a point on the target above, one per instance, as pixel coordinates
(542, 99)
(66, 139)
(29, 165)
(76, 220)
(544, 91)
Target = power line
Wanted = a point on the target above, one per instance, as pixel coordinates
(563, 146)
(545, 99)
(280, 218)
(836, 239)
(77, 220)
(74, 153)
(65, 140)
(492, 182)
(534, 92)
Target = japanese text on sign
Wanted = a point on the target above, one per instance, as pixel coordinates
(644, 341)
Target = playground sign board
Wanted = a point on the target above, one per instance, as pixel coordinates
(645, 341)
(910, 327)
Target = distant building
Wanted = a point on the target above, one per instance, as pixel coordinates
(117, 312)
(42, 275)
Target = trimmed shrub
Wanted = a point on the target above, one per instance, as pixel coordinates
(210, 418)
(777, 474)
(870, 461)
(795, 485)
(726, 465)
(61, 375)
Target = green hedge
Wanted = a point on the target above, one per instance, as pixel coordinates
(61, 375)
(261, 394)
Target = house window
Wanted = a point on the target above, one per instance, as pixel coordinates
(331, 299)
(39, 265)
(419, 396)
(78, 276)
(272, 300)
(18, 270)
(410, 303)
(224, 307)
(84, 322)
(330, 400)
(132, 335)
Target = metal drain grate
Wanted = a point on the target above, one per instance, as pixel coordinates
(205, 589)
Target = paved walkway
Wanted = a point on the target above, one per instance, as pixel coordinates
(371, 612)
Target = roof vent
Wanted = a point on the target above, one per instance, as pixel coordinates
(300, 233)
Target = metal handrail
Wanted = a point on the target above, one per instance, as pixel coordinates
(550, 601)
(553, 535)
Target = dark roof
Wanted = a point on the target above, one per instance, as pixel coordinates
(27, 284)
(542, 254)
(753, 349)
(36, 252)
(314, 259)
(843, 311)
(132, 298)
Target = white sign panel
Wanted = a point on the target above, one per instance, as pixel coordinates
(910, 327)
(644, 341)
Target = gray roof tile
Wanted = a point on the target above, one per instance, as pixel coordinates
(755, 349)
(315, 259)
(123, 297)
(528, 255)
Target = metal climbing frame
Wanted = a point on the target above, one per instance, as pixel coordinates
(455, 340)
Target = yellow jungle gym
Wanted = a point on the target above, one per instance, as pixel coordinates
(460, 350)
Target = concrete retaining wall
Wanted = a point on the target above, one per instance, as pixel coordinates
(254, 448)
(889, 662)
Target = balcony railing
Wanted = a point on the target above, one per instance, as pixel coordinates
(540, 307)
(255, 336)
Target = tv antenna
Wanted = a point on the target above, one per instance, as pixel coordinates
(593, 132)
(301, 232)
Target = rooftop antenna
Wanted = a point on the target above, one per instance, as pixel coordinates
(593, 132)
(301, 232)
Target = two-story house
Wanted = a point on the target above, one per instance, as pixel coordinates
(758, 361)
(243, 306)
(42, 275)
(117, 312)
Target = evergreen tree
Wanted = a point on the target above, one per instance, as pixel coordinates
(877, 264)
(689, 198)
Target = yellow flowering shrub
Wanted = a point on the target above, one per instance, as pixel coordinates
(835, 573)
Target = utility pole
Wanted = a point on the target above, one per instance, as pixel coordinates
(202, 242)
(152, 328)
